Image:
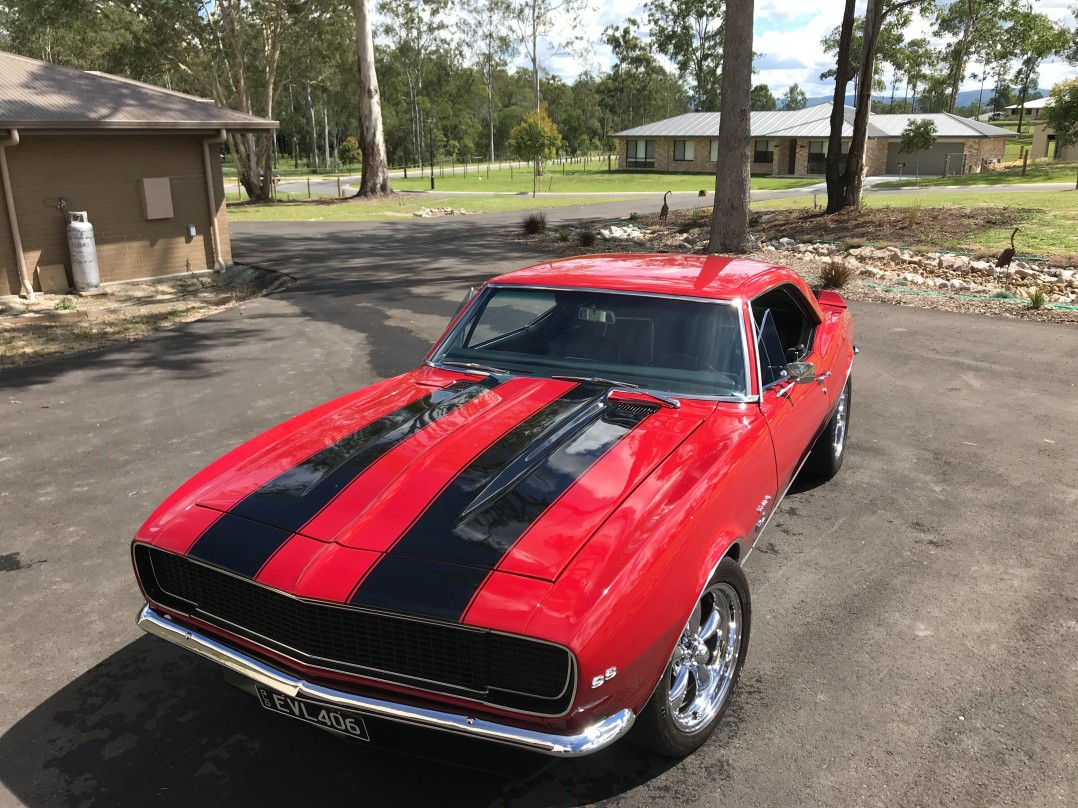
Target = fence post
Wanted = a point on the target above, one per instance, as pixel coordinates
(308, 187)
(338, 186)
(1025, 161)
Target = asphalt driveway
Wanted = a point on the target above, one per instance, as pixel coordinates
(915, 623)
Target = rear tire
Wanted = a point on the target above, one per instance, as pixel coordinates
(825, 459)
(695, 689)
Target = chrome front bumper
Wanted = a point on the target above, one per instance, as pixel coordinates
(592, 739)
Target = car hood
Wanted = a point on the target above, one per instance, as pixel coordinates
(428, 481)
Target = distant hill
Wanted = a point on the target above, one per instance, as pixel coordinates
(965, 97)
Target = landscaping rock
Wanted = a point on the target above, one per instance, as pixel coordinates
(787, 243)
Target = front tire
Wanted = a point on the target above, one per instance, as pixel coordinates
(825, 459)
(694, 691)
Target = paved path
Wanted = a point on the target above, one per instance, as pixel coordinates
(914, 632)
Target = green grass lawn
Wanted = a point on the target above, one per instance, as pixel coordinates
(397, 207)
(1049, 218)
(575, 180)
(1037, 171)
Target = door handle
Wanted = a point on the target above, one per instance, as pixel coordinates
(822, 377)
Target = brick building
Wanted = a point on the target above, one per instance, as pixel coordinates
(794, 143)
(141, 160)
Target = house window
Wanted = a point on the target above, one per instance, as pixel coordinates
(684, 150)
(714, 156)
(817, 162)
(640, 154)
(764, 152)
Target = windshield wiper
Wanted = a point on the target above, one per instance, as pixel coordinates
(613, 384)
(479, 368)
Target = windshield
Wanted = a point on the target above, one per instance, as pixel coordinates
(658, 343)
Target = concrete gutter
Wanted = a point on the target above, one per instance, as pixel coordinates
(20, 258)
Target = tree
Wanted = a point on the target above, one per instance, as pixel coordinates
(918, 136)
(1062, 114)
(350, 153)
(536, 21)
(794, 98)
(415, 29)
(971, 23)
(690, 34)
(730, 215)
(491, 47)
(844, 186)
(535, 138)
(1034, 38)
(760, 98)
(374, 176)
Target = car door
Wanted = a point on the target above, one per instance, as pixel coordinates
(794, 412)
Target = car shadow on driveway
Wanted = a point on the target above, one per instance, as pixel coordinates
(151, 725)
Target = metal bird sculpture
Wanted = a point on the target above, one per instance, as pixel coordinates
(1007, 255)
(665, 210)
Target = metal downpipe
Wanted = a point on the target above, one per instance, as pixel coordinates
(20, 258)
(215, 235)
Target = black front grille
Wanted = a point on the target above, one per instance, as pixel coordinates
(509, 671)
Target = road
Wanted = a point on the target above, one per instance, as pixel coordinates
(915, 620)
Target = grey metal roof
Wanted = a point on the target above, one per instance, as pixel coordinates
(40, 95)
(947, 125)
(811, 122)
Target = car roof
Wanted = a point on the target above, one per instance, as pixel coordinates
(715, 277)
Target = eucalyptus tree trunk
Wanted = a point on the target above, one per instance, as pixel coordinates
(836, 188)
(730, 217)
(374, 177)
(855, 159)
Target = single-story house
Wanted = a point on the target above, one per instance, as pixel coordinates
(1034, 109)
(794, 143)
(142, 161)
(1046, 144)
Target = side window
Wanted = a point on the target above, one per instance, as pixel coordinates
(508, 311)
(769, 349)
(792, 319)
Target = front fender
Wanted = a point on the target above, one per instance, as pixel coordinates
(623, 601)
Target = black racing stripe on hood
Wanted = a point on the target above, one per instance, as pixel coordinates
(454, 535)
(286, 503)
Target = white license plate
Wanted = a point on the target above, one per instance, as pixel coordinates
(315, 713)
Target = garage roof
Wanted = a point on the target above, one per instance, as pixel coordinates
(812, 122)
(40, 95)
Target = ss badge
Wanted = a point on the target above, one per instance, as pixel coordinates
(606, 677)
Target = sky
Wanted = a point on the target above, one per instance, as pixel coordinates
(788, 34)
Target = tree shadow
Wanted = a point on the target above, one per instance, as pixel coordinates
(152, 724)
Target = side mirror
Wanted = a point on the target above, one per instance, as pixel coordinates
(801, 372)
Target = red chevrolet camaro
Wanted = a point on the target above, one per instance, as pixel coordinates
(536, 538)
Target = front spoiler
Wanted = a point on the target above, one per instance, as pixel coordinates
(592, 739)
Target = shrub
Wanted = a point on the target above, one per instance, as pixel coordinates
(587, 237)
(1037, 298)
(565, 234)
(836, 275)
(534, 224)
(634, 216)
(66, 304)
(1002, 294)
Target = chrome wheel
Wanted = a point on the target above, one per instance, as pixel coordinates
(704, 664)
(840, 423)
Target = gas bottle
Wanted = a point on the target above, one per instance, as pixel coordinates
(80, 241)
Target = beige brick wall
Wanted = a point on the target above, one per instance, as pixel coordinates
(700, 164)
(978, 149)
(101, 174)
(876, 157)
